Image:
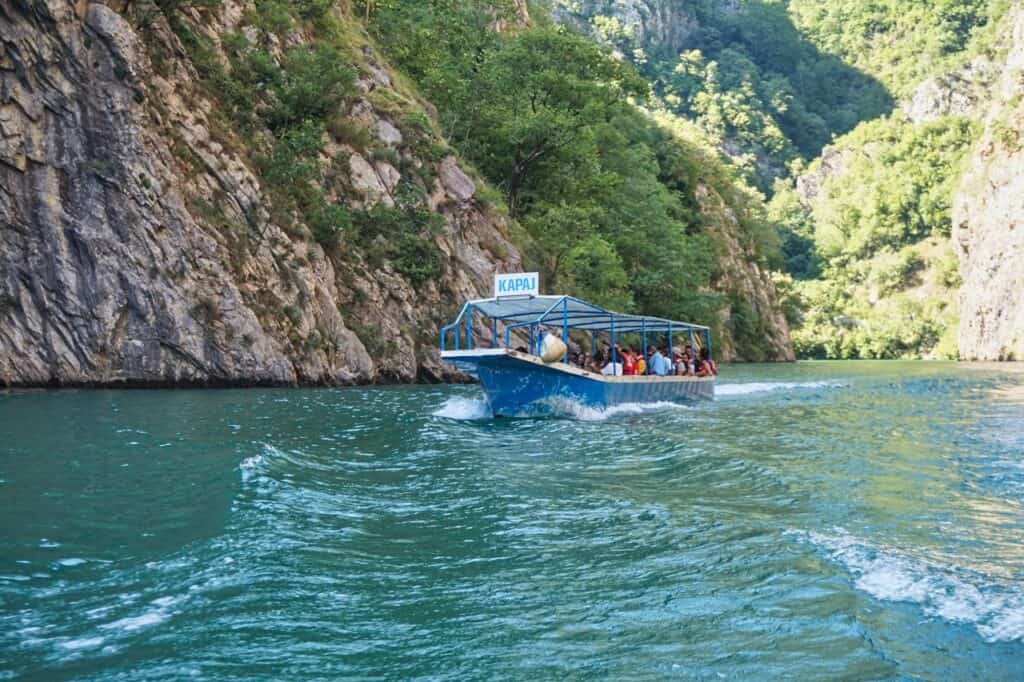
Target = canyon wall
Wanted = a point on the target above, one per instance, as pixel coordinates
(989, 221)
(138, 246)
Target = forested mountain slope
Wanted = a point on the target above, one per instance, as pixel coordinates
(619, 207)
(215, 191)
(856, 118)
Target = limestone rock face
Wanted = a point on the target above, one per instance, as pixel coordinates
(988, 220)
(650, 22)
(456, 183)
(833, 162)
(137, 245)
(960, 93)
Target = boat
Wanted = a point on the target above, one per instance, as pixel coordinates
(518, 382)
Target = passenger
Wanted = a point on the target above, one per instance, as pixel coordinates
(657, 362)
(688, 361)
(641, 364)
(707, 366)
(612, 368)
(679, 364)
(629, 362)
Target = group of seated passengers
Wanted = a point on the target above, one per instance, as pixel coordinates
(628, 362)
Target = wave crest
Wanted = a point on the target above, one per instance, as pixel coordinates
(464, 409)
(469, 409)
(566, 407)
(954, 594)
(761, 387)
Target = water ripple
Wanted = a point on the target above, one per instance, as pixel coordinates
(403, 533)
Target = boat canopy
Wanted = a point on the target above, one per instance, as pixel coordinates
(565, 312)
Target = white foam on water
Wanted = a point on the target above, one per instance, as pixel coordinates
(15, 578)
(148, 618)
(249, 467)
(995, 608)
(469, 409)
(81, 643)
(257, 467)
(138, 622)
(473, 409)
(764, 386)
(564, 407)
(464, 409)
(71, 561)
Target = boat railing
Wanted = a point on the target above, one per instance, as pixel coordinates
(454, 326)
(592, 318)
(533, 334)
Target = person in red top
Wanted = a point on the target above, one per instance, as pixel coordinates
(706, 367)
(629, 363)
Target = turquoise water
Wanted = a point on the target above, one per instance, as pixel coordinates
(842, 520)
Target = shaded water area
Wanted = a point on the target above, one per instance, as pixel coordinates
(857, 520)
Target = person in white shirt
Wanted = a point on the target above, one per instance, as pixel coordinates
(612, 369)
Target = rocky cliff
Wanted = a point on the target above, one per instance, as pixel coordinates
(138, 245)
(656, 24)
(142, 240)
(989, 222)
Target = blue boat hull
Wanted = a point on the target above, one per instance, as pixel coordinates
(517, 384)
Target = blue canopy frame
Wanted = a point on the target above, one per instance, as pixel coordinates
(566, 311)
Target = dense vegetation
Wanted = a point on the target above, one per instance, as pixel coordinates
(750, 78)
(874, 243)
(775, 81)
(871, 273)
(606, 196)
(881, 230)
(901, 43)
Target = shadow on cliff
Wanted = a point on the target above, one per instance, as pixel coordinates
(828, 97)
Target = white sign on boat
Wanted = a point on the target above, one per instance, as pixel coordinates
(516, 284)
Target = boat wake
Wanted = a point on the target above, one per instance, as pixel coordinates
(250, 466)
(469, 409)
(995, 608)
(460, 408)
(464, 409)
(762, 387)
(566, 408)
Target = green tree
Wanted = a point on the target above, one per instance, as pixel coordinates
(536, 99)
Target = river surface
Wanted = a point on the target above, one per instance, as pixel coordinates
(839, 520)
